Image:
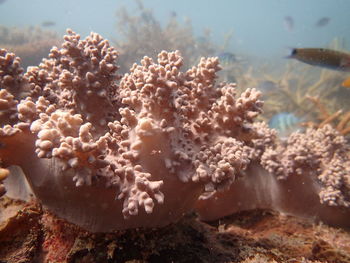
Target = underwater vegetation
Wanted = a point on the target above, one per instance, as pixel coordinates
(313, 95)
(31, 43)
(140, 33)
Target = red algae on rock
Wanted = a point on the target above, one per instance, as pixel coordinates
(34, 235)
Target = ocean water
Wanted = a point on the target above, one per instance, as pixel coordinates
(257, 27)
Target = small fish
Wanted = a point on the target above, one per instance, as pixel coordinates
(202, 40)
(323, 22)
(285, 123)
(48, 23)
(228, 59)
(346, 83)
(267, 86)
(288, 23)
(322, 57)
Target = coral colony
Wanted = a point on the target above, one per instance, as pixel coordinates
(109, 152)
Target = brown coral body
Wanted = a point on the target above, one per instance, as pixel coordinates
(110, 156)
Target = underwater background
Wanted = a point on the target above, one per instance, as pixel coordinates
(257, 27)
(253, 41)
(251, 38)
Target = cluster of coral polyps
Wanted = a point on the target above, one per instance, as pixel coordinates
(308, 175)
(108, 152)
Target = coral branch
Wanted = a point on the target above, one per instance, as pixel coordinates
(4, 173)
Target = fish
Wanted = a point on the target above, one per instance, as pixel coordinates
(2, 1)
(48, 23)
(322, 22)
(228, 60)
(266, 86)
(322, 57)
(285, 123)
(289, 23)
(202, 40)
(346, 83)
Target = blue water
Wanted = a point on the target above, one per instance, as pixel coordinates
(285, 123)
(257, 26)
